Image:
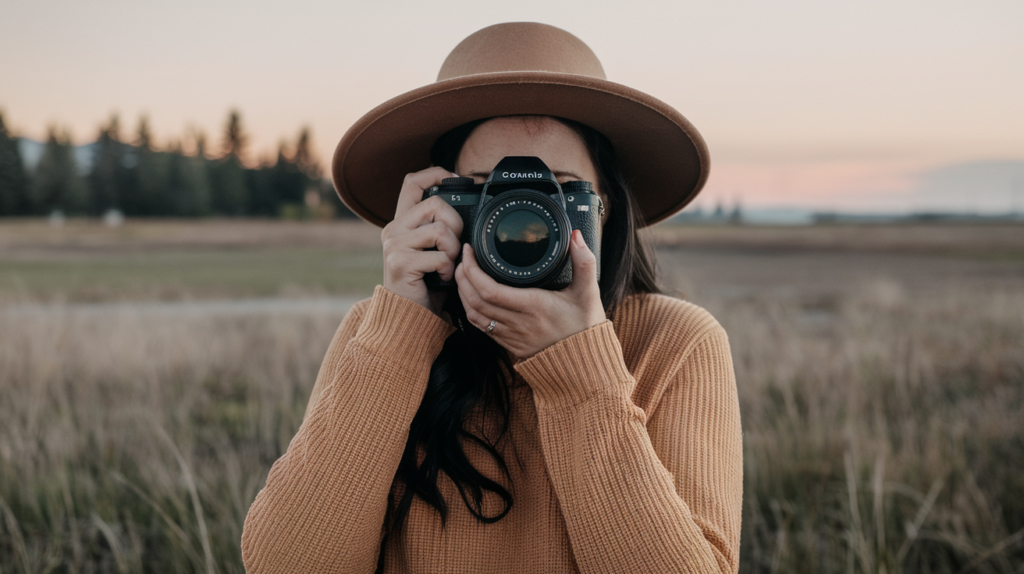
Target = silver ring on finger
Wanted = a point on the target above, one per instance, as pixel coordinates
(490, 327)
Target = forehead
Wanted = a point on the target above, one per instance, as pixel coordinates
(553, 142)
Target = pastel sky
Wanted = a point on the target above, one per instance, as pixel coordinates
(824, 104)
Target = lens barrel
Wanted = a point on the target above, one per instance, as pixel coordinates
(521, 237)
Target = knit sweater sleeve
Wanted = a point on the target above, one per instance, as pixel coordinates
(323, 506)
(637, 495)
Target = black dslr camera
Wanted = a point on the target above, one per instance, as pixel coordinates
(520, 222)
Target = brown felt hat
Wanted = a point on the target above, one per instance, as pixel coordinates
(521, 68)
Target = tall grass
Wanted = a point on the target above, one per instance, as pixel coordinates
(883, 433)
(136, 441)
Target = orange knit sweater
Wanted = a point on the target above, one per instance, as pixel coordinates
(624, 449)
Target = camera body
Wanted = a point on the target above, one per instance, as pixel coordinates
(520, 221)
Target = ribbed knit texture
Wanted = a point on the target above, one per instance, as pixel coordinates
(624, 449)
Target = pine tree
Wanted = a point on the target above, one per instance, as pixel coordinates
(235, 138)
(290, 181)
(200, 139)
(152, 173)
(312, 193)
(314, 180)
(14, 182)
(227, 177)
(303, 158)
(176, 200)
(108, 176)
(189, 179)
(57, 184)
(144, 138)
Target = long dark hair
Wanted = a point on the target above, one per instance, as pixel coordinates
(473, 373)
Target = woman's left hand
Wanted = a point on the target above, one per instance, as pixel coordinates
(529, 320)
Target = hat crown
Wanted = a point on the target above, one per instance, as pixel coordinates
(519, 47)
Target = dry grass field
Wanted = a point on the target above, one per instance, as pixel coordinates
(880, 370)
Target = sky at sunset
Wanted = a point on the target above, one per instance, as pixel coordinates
(861, 106)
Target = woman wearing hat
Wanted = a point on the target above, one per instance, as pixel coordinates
(502, 429)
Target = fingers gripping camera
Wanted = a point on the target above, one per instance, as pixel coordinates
(520, 221)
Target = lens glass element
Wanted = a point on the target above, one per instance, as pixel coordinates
(521, 238)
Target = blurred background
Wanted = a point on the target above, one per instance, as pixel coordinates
(174, 262)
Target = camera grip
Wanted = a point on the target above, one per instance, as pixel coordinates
(467, 212)
(584, 211)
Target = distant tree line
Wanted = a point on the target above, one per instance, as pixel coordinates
(137, 179)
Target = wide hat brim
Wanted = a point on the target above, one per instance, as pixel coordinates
(664, 157)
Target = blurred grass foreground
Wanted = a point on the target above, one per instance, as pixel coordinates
(880, 370)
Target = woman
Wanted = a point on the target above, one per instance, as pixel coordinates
(508, 429)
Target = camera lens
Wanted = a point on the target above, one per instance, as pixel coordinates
(521, 238)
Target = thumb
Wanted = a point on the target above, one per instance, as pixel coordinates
(584, 263)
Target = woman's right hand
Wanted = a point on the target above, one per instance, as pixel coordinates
(418, 226)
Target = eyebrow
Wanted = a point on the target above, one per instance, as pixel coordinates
(557, 174)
